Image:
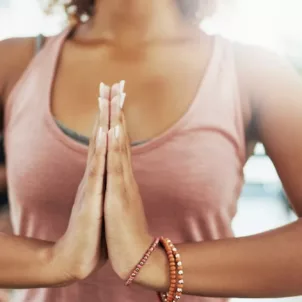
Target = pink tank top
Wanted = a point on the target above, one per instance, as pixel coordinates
(190, 177)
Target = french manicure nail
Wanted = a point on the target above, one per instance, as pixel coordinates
(122, 86)
(122, 99)
(101, 103)
(116, 131)
(102, 90)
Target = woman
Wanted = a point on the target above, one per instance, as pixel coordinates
(195, 104)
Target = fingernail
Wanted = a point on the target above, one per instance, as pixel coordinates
(101, 103)
(102, 90)
(122, 99)
(117, 131)
(100, 135)
(122, 86)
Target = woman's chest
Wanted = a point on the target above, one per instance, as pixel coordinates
(160, 87)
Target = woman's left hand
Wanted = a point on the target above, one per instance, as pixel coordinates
(126, 227)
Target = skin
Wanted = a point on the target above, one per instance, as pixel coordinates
(129, 40)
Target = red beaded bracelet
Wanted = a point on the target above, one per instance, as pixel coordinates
(143, 261)
(176, 273)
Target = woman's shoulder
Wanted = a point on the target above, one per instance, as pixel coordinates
(15, 55)
(260, 69)
(267, 81)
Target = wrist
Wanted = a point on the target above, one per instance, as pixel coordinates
(58, 267)
(155, 273)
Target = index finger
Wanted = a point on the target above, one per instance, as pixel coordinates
(98, 145)
(102, 118)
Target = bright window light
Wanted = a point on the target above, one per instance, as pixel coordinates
(274, 24)
(267, 23)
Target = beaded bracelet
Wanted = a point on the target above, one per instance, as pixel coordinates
(179, 273)
(176, 273)
(143, 261)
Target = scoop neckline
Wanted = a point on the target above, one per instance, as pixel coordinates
(138, 149)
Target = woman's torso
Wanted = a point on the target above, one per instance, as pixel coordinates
(189, 171)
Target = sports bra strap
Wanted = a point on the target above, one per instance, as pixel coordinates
(40, 39)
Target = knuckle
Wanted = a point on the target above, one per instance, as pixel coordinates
(98, 194)
(116, 149)
(118, 170)
(124, 149)
(92, 172)
(100, 152)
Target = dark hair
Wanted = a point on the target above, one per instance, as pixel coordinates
(189, 8)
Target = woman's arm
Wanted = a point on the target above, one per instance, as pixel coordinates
(264, 265)
(26, 263)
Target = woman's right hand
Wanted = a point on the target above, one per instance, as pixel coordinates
(29, 263)
(79, 251)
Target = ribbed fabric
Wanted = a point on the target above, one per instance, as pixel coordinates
(190, 177)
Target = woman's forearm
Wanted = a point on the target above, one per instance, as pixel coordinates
(29, 263)
(264, 265)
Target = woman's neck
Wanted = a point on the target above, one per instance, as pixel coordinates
(132, 22)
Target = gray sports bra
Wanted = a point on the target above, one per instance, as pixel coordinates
(74, 135)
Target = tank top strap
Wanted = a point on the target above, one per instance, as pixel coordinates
(219, 102)
(234, 100)
(238, 109)
(39, 71)
(40, 40)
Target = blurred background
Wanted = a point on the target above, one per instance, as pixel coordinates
(273, 24)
